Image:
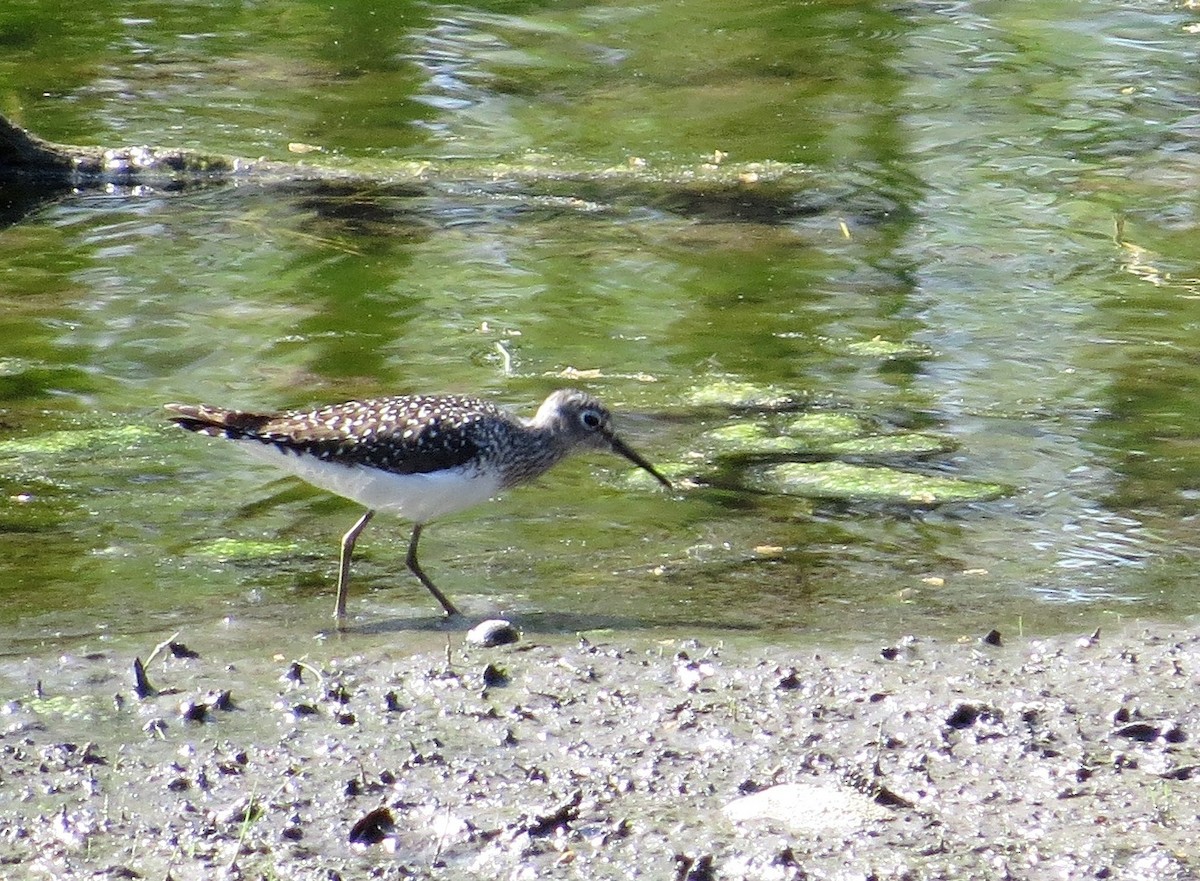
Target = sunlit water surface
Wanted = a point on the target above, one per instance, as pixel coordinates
(1010, 188)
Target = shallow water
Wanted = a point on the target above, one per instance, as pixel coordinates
(1009, 187)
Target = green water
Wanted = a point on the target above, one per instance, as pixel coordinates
(1008, 188)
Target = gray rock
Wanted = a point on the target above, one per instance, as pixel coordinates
(493, 632)
(808, 807)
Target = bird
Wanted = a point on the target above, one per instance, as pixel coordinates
(421, 457)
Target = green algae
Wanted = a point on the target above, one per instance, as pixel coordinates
(887, 350)
(883, 446)
(736, 394)
(843, 480)
(679, 473)
(751, 439)
(828, 435)
(226, 548)
(80, 440)
(825, 425)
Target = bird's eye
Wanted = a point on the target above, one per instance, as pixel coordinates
(590, 419)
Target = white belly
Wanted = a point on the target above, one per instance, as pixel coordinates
(416, 497)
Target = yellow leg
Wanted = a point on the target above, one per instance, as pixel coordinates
(415, 568)
(348, 540)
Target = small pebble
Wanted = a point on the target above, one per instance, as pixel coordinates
(494, 677)
(691, 673)
(156, 727)
(493, 632)
(790, 680)
(141, 683)
(220, 700)
(193, 711)
(373, 828)
(964, 715)
(246, 809)
(179, 650)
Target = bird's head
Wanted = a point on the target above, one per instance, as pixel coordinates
(582, 421)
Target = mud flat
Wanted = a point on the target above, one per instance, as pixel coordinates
(607, 757)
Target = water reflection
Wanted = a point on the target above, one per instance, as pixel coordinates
(1008, 192)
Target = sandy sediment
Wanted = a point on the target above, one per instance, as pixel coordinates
(1069, 757)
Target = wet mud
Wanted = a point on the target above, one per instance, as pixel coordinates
(1000, 757)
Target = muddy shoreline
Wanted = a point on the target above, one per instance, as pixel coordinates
(1071, 756)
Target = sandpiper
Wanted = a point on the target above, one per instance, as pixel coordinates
(418, 456)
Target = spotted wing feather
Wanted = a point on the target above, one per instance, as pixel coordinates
(403, 435)
(217, 422)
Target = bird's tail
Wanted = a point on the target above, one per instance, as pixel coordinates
(217, 421)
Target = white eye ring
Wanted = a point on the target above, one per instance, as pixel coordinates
(590, 419)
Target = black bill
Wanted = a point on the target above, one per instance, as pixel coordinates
(619, 446)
